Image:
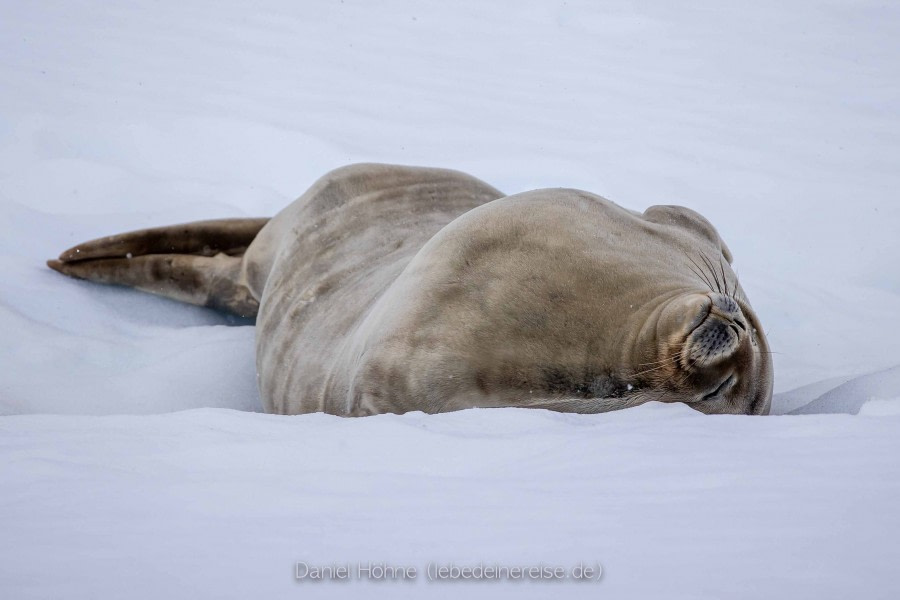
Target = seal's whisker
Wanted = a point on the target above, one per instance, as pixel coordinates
(660, 364)
(701, 274)
(698, 275)
(644, 372)
(724, 278)
(663, 361)
(676, 348)
(712, 271)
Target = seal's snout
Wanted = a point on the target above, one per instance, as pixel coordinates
(726, 308)
(719, 333)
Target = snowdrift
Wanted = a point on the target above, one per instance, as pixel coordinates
(133, 461)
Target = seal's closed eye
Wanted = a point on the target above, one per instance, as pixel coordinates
(723, 386)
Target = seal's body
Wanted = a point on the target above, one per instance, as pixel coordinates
(389, 289)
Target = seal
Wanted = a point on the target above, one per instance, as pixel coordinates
(391, 289)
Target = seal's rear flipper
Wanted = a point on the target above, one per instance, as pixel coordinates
(206, 238)
(198, 263)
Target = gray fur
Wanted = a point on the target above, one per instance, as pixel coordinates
(389, 289)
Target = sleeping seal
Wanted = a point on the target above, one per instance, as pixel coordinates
(390, 289)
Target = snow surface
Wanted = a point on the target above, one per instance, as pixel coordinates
(131, 461)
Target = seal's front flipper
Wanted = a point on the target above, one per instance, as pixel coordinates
(198, 263)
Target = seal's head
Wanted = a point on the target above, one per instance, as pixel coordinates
(560, 299)
(709, 352)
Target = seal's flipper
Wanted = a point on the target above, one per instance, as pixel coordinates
(212, 281)
(198, 263)
(206, 238)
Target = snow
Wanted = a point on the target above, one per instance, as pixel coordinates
(133, 463)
